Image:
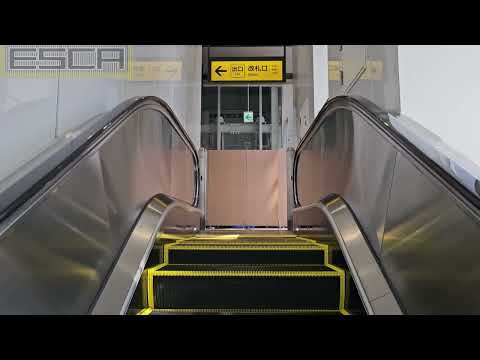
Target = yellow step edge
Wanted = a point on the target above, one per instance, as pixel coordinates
(259, 236)
(341, 272)
(246, 241)
(286, 311)
(213, 237)
(247, 248)
(146, 311)
(243, 244)
(307, 239)
(258, 274)
(177, 264)
(156, 270)
(150, 295)
(161, 235)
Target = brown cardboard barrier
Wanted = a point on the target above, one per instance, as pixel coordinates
(247, 187)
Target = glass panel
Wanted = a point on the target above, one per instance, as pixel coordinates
(234, 101)
(209, 117)
(237, 131)
(64, 247)
(182, 166)
(237, 134)
(325, 160)
(267, 104)
(271, 110)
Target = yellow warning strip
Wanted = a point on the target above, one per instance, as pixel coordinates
(286, 311)
(144, 285)
(251, 245)
(216, 237)
(149, 273)
(246, 248)
(150, 298)
(162, 235)
(307, 239)
(267, 235)
(317, 236)
(265, 244)
(227, 273)
(146, 311)
(341, 272)
(241, 237)
(156, 270)
(247, 241)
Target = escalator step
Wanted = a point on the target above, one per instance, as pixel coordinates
(246, 242)
(247, 292)
(245, 312)
(245, 255)
(242, 274)
(258, 269)
(337, 258)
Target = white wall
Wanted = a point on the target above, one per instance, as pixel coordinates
(289, 130)
(27, 120)
(320, 77)
(99, 95)
(302, 61)
(34, 112)
(310, 69)
(440, 89)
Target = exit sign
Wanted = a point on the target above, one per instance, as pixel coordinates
(248, 116)
(247, 70)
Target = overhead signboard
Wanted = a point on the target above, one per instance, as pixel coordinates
(247, 70)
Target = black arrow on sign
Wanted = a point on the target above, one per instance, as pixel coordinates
(219, 71)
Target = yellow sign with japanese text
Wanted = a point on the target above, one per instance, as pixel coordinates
(246, 70)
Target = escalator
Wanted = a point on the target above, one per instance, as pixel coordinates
(218, 273)
(404, 208)
(106, 221)
(78, 222)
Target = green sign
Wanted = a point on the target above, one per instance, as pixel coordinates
(248, 116)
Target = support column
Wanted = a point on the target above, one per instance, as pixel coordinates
(218, 120)
(260, 119)
(275, 136)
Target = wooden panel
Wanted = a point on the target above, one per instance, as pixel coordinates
(247, 187)
(262, 186)
(226, 187)
(282, 188)
(183, 185)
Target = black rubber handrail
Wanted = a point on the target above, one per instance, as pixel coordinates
(110, 122)
(379, 118)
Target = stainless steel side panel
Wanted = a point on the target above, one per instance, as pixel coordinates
(332, 213)
(431, 246)
(370, 179)
(55, 258)
(347, 157)
(160, 213)
(424, 233)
